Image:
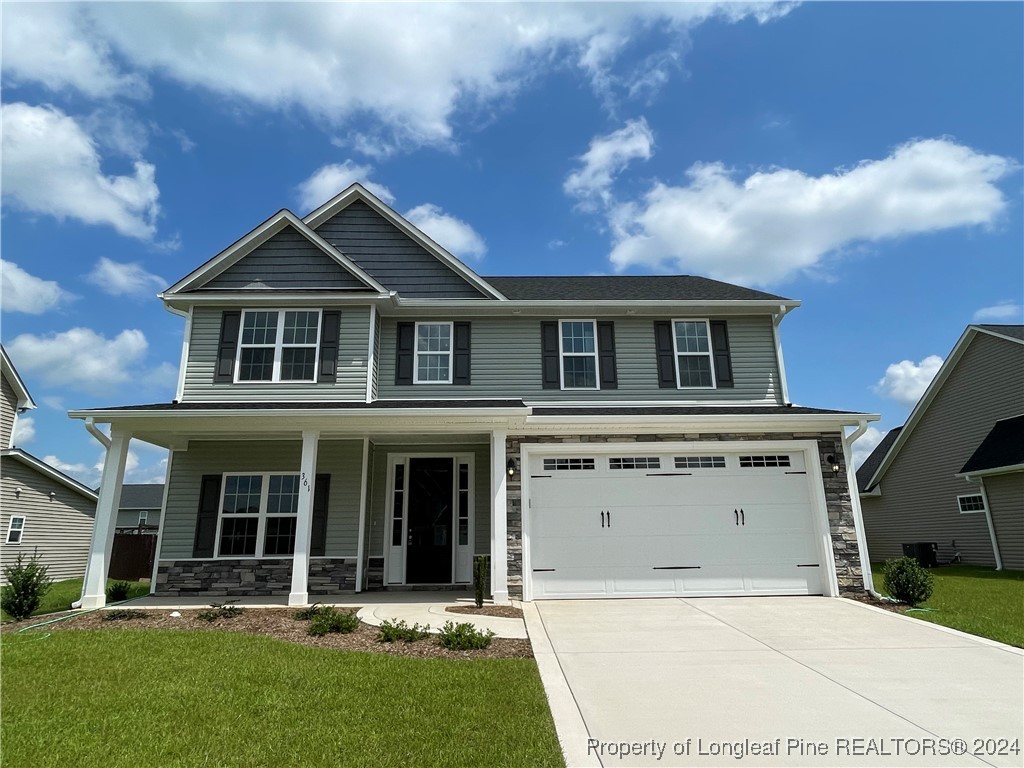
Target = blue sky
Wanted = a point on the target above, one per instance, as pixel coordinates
(864, 158)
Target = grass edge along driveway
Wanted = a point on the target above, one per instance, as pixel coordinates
(130, 698)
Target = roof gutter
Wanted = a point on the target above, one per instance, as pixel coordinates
(784, 309)
(858, 515)
(988, 518)
(93, 430)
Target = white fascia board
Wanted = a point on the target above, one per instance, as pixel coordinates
(359, 192)
(51, 472)
(9, 372)
(993, 471)
(699, 423)
(270, 297)
(758, 306)
(997, 334)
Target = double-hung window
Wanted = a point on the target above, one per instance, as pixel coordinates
(578, 352)
(258, 515)
(278, 345)
(15, 529)
(433, 359)
(694, 364)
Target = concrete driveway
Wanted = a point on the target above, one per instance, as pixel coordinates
(773, 682)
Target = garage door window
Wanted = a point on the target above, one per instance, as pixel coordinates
(557, 465)
(761, 462)
(700, 462)
(635, 462)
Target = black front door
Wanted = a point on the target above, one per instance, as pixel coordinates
(428, 552)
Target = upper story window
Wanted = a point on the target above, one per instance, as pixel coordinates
(579, 354)
(433, 360)
(694, 368)
(693, 354)
(15, 529)
(278, 345)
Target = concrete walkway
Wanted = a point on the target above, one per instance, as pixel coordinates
(772, 682)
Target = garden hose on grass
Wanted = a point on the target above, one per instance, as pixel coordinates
(45, 635)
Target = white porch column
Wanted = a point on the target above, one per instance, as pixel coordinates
(94, 588)
(303, 523)
(499, 520)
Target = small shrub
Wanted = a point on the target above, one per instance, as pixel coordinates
(329, 620)
(123, 614)
(392, 631)
(118, 591)
(464, 637)
(223, 610)
(305, 614)
(27, 583)
(481, 577)
(907, 581)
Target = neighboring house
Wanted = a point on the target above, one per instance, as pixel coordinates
(955, 471)
(42, 510)
(357, 409)
(140, 506)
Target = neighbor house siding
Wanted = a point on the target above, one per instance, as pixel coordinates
(390, 256)
(58, 530)
(8, 410)
(341, 459)
(1006, 499)
(506, 361)
(202, 358)
(920, 489)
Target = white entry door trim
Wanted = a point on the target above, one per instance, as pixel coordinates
(808, 449)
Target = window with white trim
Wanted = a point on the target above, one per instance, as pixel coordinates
(577, 343)
(634, 462)
(433, 362)
(258, 515)
(278, 345)
(143, 517)
(763, 462)
(700, 462)
(971, 503)
(15, 529)
(558, 465)
(694, 365)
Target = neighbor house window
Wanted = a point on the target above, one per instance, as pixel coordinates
(257, 515)
(694, 368)
(15, 529)
(143, 517)
(971, 503)
(578, 349)
(278, 345)
(433, 353)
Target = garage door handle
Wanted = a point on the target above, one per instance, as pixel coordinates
(602, 519)
(609, 519)
(743, 518)
(737, 513)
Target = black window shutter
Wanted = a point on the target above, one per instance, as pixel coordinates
(405, 349)
(318, 532)
(230, 322)
(549, 355)
(720, 350)
(206, 519)
(606, 354)
(460, 358)
(666, 354)
(329, 336)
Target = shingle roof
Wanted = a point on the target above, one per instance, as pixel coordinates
(870, 465)
(625, 288)
(142, 496)
(1016, 331)
(1003, 446)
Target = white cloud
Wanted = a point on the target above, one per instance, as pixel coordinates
(451, 233)
(327, 181)
(128, 279)
(409, 72)
(865, 444)
(83, 473)
(24, 430)
(22, 292)
(81, 358)
(999, 313)
(906, 381)
(606, 158)
(765, 228)
(51, 166)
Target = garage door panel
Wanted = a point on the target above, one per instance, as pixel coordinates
(570, 582)
(777, 579)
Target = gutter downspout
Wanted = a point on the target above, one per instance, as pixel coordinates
(858, 518)
(776, 320)
(90, 425)
(988, 519)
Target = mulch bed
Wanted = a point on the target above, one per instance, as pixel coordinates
(504, 611)
(864, 597)
(281, 623)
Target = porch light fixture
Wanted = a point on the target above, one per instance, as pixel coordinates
(510, 467)
(833, 462)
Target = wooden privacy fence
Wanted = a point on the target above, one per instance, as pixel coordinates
(132, 556)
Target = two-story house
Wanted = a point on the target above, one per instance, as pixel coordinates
(357, 409)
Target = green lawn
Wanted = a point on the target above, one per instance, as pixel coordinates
(972, 599)
(63, 593)
(139, 698)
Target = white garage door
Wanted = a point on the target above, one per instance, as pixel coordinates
(632, 524)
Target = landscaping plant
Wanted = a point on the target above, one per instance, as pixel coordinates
(329, 619)
(481, 575)
(391, 631)
(464, 637)
(118, 591)
(305, 614)
(221, 611)
(907, 581)
(27, 583)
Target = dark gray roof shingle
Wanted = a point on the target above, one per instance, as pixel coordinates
(1002, 447)
(1016, 331)
(142, 496)
(872, 462)
(625, 288)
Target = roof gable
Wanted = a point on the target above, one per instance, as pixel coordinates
(10, 373)
(51, 472)
(1002, 448)
(389, 247)
(263, 258)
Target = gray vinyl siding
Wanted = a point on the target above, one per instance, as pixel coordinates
(286, 261)
(481, 490)
(1006, 500)
(129, 518)
(8, 411)
(391, 257)
(375, 368)
(59, 530)
(919, 490)
(341, 459)
(506, 362)
(202, 359)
